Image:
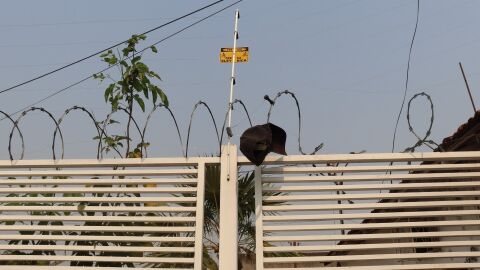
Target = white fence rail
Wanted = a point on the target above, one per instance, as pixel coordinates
(110, 213)
(369, 211)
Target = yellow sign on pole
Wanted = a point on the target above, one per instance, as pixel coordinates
(226, 55)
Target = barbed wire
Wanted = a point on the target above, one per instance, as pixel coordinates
(422, 140)
(100, 131)
(226, 117)
(272, 104)
(101, 127)
(190, 125)
(57, 127)
(174, 121)
(15, 126)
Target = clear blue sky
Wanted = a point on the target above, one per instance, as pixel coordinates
(345, 60)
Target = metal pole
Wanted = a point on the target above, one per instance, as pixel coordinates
(468, 87)
(232, 78)
(232, 83)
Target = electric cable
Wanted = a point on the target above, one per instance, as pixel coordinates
(407, 77)
(111, 47)
(104, 21)
(191, 25)
(109, 67)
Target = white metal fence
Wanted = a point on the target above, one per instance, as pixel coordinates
(109, 213)
(382, 211)
(421, 212)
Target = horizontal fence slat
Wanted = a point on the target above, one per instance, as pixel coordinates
(113, 238)
(108, 162)
(394, 215)
(45, 190)
(352, 169)
(86, 208)
(67, 228)
(370, 225)
(372, 177)
(166, 172)
(368, 157)
(415, 266)
(98, 248)
(96, 259)
(381, 205)
(56, 267)
(96, 199)
(370, 257)
(370, 246)
(370, 236)
(297, 159)
(97, 218)
(369, 196)
(421, 186)
(99, 182)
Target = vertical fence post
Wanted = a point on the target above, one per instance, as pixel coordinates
(228, 254)
(258, 219)
(199, 216)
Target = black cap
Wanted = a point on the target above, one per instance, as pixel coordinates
(256, 142)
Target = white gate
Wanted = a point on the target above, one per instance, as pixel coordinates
(422, 212)
(102, 213)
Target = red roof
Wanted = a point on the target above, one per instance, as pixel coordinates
(462, 130)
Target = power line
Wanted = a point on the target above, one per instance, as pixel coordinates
(109, 67)
(52, 95)
(192, 24)
(74, 43)
(84, 22)
(111, 47)
(407, 77)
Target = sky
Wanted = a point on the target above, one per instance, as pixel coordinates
(345, 60)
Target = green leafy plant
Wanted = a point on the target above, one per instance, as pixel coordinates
(134, 87)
